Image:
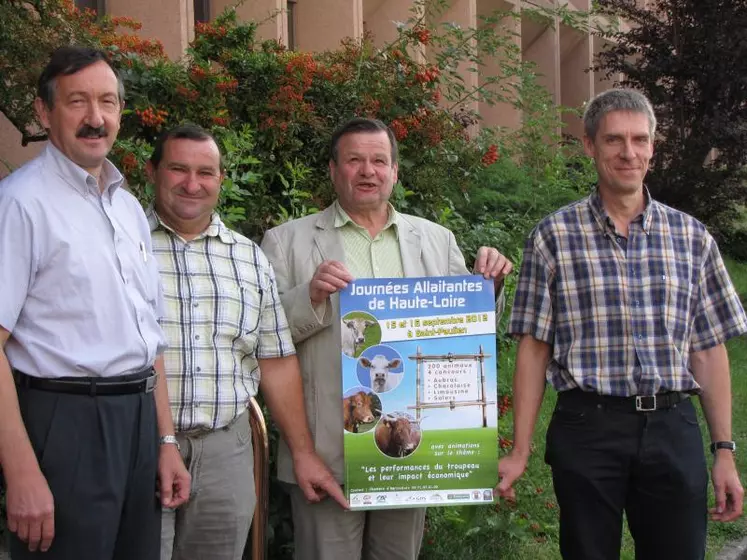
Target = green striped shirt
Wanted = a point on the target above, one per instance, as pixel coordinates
(370, 258)
(222, 314)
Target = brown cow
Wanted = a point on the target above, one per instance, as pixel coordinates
(357, 410)
(397, 436)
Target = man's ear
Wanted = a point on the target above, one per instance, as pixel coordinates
(150, 171)
(42, 112)
(588, 146)
(332, 170)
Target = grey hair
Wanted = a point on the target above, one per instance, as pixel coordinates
(617, 100)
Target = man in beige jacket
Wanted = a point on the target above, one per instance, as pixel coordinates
(360, 236)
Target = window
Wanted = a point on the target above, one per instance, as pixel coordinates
(202, 11)
(292, 24)
(94, 5)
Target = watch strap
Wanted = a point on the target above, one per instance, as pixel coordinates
(730, 445)
(169, 439)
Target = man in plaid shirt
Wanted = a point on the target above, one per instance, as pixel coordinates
(624, 305)
(228, 336)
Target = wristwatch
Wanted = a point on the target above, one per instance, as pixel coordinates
(730, 445)
(169, 439)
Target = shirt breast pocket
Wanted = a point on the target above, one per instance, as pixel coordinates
(239, 309)
(144, 270)
(673, 296)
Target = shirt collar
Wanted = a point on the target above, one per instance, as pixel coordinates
(216, 228)
(80, 179)
(604, 221)
(342, 218)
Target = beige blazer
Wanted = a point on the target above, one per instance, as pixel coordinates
(295, 250)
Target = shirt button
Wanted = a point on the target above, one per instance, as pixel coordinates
(195, 304)
(198, 369)
(197, 337)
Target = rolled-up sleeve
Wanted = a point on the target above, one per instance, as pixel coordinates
(17, 260)
(533, 309)
(719, 314)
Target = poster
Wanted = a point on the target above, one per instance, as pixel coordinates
(419, 392)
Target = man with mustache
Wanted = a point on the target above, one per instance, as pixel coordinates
(81, 404)
(624, 305)
(361, 235)
(228, 338)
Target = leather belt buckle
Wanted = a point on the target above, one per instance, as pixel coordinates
(645, 403)
(150, 383)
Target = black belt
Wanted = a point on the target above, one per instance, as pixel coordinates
(140, 382)
(638, 403)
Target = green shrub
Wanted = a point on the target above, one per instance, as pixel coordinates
(273, 112)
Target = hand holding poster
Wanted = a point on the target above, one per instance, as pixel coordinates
(419, 391)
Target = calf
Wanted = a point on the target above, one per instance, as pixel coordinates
(382, 379)
(356, 410)
(353, 334)
(397, 436)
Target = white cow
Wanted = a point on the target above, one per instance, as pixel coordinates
(353, 334)
(382, 379)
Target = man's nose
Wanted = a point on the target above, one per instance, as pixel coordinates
(627, 149)
(192, 185)
(367, 168)
(94, 116)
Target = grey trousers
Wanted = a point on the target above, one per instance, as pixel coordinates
(325, 531)
(214, 523)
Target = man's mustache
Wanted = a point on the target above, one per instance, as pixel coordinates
(87, 131)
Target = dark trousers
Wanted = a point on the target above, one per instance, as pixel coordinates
(100, 458)
(650, 465)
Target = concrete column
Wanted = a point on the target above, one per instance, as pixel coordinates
(170, 21)
(541, 45)
(464, 14)
(11, 152)
(322, 24)
(272, 15)
(500, 114)
(379, 17)
(599, 81)
(577, 85)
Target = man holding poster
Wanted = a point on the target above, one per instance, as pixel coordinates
(359, 236)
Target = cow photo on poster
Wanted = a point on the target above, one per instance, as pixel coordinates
(419, 391)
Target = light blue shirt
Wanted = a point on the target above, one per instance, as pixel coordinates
(79, 286)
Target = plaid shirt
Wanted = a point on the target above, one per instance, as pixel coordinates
(221, 314)
(622, 316)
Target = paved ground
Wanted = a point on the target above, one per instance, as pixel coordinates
(734, 551)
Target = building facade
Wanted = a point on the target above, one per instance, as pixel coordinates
(562, 54)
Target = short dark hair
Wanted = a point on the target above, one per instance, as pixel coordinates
(69, 60)
(359, 124)
(184, 131)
